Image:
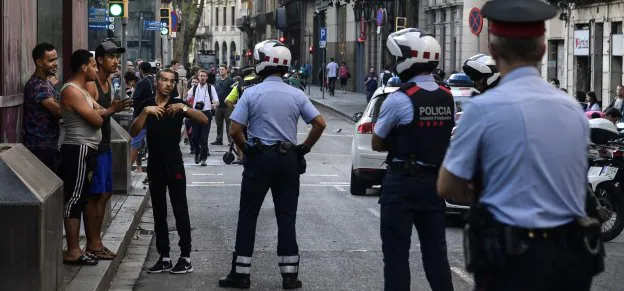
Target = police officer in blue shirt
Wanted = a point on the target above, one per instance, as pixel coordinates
(522, 148)
(414, 126)
(272, 160)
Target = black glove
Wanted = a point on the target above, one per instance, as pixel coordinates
(302, 150)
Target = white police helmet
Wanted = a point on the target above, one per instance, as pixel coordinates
(417, 52)
(480, 67)
(271, 57)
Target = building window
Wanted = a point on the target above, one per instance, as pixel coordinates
(224, 16)
(233, 14)
(217, 16)
(443, 16)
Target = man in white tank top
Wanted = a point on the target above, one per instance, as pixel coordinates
(79, 150)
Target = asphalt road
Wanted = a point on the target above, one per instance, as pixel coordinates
(338, 234)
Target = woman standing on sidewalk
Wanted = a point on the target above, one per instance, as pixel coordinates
(344, 75)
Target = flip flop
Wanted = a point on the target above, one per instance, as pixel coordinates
(104, 254)
(81, 261)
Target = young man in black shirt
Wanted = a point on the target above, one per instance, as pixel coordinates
(162, 118)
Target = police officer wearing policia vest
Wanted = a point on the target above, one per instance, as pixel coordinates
(521, 148)
(414, 126)
(272, 160)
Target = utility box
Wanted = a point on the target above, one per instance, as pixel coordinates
(124, 119)
(31, 219)
(120, 144)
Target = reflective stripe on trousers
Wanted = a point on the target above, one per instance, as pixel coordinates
(243, 265)
(288, 264)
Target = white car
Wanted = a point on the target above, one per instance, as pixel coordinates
(368, 167)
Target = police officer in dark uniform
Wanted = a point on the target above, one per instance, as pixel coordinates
(528, 227)
(414, 126)
(273, 160)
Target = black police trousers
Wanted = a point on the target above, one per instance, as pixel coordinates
(172, 178)
(266, 170)
(407, 202)
(551, 263)
(200, 137)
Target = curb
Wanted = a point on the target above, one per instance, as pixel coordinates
(120, 234)
(333, 109)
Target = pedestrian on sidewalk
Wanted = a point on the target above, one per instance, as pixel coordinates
(273, 160)
(371, 84)
(162, 119)
(332, 75)
(101, 188)
(344, 75)
(531, 203)
(82, 123)
(41, 108)
(205, 100)
(223, 88)
(322, 80)
(144, 91)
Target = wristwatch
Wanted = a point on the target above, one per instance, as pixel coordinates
(185, 109)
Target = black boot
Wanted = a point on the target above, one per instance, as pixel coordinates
(289, 267)
(234, 279)
(197, 157)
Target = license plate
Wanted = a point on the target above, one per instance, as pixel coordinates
(609, 172)
(594, 171)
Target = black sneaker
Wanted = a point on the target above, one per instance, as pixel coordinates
(182, 267)
(203, 163)
(197, 158)
(160, 266)
(217, 142)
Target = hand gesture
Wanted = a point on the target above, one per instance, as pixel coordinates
(156, 111)
(173, 109)
(120, 105)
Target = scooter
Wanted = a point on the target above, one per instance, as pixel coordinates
(604, 177)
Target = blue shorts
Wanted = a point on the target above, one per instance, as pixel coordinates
(102, 180)
(137, 141)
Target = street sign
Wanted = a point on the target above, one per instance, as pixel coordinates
(475, 21)
(98, 19)
(323, 37)
(380, 13)
(151, 25)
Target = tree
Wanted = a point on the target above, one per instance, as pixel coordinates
(190, 14)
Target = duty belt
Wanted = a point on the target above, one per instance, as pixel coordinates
(412, 168)
(283, 147)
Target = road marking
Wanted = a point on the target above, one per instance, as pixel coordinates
(335, 183)
(208, 182)
(373, 212)
(463, 274)
(219, 174)
(339, 188)
(317, 175)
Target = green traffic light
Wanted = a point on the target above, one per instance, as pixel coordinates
(115, 10)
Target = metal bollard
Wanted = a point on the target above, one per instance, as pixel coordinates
(31, 219)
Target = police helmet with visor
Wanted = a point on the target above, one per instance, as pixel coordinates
(271, 57)
(482, 70)
(417, 52)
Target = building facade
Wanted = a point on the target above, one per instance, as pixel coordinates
(585, 48)
(217, 31)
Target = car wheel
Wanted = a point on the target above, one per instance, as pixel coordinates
(358, 186)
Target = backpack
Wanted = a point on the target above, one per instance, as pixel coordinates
(209, 89)
(386, 76)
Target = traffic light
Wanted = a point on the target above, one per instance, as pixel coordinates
(165, 21)
(282, 39)
(118, 8)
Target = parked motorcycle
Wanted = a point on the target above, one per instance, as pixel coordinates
(606, 159)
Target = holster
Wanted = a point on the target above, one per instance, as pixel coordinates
(592, 243)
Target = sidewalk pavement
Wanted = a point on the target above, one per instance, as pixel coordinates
(127, 210)
(345, 105)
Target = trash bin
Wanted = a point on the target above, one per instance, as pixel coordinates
(120, 144)
(31, 219)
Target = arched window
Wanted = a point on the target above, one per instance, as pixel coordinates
(233, 54)
(216, 50)
(224, 54)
